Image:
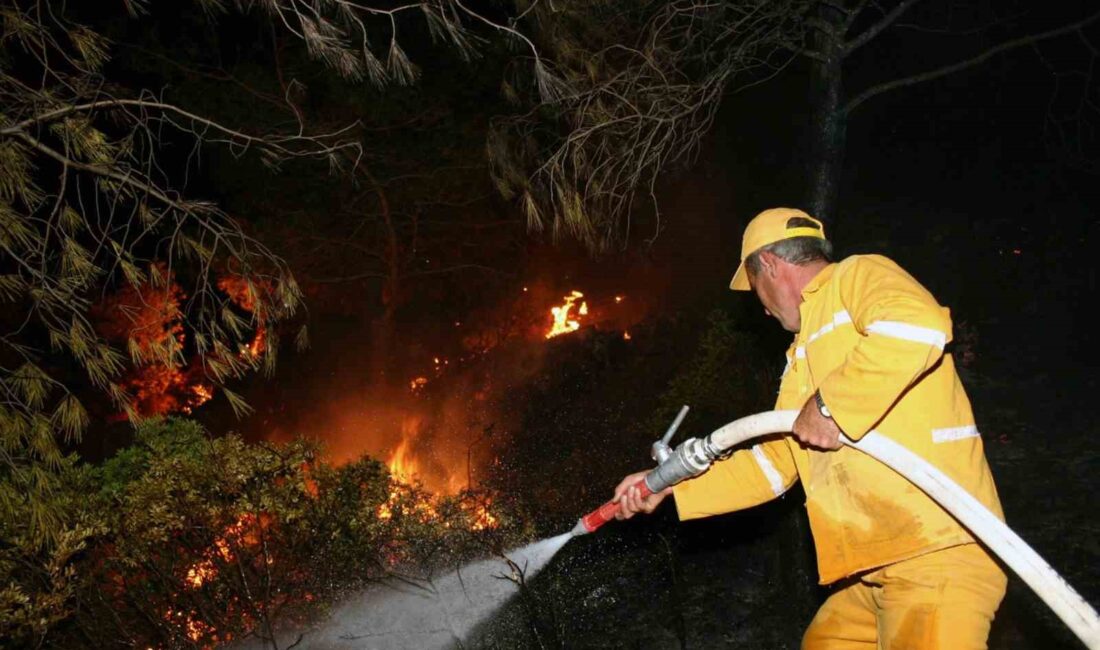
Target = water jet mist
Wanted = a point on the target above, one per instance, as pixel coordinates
(425, 613)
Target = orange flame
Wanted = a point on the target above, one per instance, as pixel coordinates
(195, 630)
(483, 518)
(245, 532)
(244, 294)
(402, 465)
(404, 470)
(561, 323)
(242, 532)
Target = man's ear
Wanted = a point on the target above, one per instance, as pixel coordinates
(768, 264)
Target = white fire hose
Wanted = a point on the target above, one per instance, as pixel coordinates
(1074, 611)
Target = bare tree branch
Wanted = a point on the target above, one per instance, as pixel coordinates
(645, 91)
(874, 30)
(968, 63)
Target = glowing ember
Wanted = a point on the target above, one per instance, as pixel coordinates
(195, 630)
(626, 336)
(562, 323)
(483, 518)
(202, 394)
(254, 349)
(243, 295)
(243, 532)
(200, 573)
(418, 383)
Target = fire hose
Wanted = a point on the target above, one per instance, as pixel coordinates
(695, 455)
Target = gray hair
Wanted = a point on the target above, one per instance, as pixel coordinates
(796, 250)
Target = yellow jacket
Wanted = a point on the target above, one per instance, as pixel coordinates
(872, 340)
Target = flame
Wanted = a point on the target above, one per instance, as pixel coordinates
(194, 629)
(561, 323)
(402, 466)
(148, 320)
(202, 394)
(243, 294)
(200, 573)
(253, 350)
(483, 518)
(243, 532)
(404, 471)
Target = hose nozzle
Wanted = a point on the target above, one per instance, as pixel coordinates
(690, 459)
(693, 457)
(605, 513)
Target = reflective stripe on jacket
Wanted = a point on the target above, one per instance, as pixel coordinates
(872, 340)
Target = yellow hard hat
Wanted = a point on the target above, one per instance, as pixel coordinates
(769, 227)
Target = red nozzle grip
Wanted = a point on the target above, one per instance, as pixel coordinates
(607, 511)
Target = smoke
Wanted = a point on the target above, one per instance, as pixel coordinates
(425, 613)
(452, 396)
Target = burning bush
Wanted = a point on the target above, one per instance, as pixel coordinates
(202, 540)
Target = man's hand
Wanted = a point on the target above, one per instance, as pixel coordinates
(814, 429)
(630, 501)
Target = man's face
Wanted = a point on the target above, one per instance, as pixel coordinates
(773, 287)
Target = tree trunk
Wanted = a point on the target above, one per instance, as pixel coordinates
(382, 328)
(828, 130)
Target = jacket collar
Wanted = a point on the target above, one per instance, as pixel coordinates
(818, 281)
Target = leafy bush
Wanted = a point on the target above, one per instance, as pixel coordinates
(187, 540)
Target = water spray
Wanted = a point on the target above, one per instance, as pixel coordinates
(694, 456)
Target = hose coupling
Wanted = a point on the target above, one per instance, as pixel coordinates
(693, 457)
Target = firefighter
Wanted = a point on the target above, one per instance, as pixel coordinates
(868, 355)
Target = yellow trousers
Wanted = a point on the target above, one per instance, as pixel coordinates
(944, 600)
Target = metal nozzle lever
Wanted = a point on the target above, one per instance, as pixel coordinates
(606, 512)
(661, 449)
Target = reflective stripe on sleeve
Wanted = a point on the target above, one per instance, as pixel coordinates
(774, 479)
(908, 332)
(954, 433)
(840, 318)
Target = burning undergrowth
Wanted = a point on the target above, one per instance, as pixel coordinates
(202, 541)
(449, 409)
(205, 540)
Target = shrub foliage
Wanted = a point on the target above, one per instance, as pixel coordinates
(187, 540)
